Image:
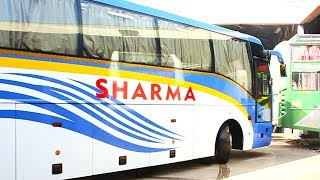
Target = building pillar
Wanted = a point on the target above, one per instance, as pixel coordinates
(300, 29)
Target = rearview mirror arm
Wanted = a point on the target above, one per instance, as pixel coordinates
(278, 54)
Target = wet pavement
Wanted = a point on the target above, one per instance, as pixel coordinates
(285, 158)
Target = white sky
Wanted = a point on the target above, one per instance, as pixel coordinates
(237, 11)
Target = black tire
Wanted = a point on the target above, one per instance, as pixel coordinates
(223, 145)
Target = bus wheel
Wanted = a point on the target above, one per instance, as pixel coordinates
(223, 145)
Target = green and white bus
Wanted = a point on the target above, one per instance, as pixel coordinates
(299, 97)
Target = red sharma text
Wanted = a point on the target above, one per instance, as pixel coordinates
(121, 89)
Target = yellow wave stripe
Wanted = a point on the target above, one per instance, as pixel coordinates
(90, 70)
(104, 62)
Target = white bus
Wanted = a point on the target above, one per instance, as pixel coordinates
(92, 87)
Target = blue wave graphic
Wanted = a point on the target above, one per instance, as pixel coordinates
(77, 123)
(130, 110)
(84, 127)
(80, 106)
(105, 104)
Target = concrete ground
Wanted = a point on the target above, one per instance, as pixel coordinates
(288, 157)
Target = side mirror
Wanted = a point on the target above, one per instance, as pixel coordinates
(283, 71)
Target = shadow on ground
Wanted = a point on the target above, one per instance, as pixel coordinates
(313, 144)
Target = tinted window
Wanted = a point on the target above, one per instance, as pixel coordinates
(184, 46)
(232, 60)
(45, 26)
(303, 81)
(111, 33)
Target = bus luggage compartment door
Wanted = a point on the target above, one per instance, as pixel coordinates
(49, 136)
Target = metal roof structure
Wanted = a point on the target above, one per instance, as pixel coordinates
(272, 21)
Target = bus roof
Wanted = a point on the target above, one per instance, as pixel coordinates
(305, 39)
(165, 15)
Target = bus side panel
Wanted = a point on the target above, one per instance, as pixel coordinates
(262, 134)
(206, 127)
(177, 119)
(38, 141)
(7, 140)
(106, 155)
(304, 111)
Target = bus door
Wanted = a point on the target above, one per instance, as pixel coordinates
(263, 93)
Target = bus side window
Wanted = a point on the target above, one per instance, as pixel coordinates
(304, 80)
(41, 26)
(232, 61)
(109, 29)
(187, 44)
